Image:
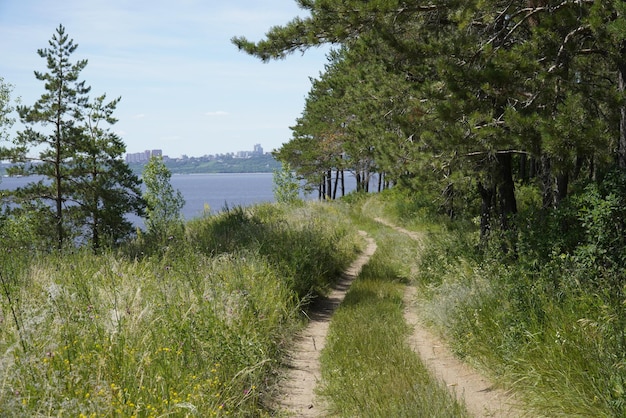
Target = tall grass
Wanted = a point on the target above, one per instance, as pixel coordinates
(368, 368)
(549, 319)
(549, 322)
(195, 329)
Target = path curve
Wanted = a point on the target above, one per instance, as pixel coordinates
(297, 390)
(481, 397)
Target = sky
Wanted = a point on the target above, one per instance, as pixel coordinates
(185, 88)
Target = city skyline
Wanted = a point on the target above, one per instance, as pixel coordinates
(144, 156)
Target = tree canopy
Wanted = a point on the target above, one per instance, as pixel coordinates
(473, 96)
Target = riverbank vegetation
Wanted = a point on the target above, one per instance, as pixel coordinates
(197, 326)
(546, 321)
(504, 125)
(499, 128)
(264, 163)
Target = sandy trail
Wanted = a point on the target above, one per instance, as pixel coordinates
(481, 397)
(297, 390)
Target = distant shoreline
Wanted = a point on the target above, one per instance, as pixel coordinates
(255, 164)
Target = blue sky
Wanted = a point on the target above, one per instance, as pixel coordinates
(185, 87)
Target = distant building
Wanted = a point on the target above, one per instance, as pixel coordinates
(243, 154)
(143, 157)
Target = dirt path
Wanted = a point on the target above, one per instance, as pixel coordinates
(298, 388)
(481, 398)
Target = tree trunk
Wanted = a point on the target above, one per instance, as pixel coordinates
(449, 200)
(546, 183)
(336, 185)
(329, 183)
(366, 181)
(343, 184)
(532, 170)
(486, 209)
(621, 85)
(562, 182)
(58, 184)
(95, 238)
(506, 190)
(578, 166)
(523, 168)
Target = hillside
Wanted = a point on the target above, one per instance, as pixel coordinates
(226, 164)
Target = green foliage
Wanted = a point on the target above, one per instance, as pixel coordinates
(186, 332)
(488, 85)
(368, 369)
(286, 185)
(27, 228)
(305, 245)
(57, 111)
(223, 164)
(6, 108)
(86, 189)
(549, 322)
(105, 187)
(164, 219)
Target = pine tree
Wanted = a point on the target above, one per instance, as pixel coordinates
(105, 188)
(6, 108)
(57, 112)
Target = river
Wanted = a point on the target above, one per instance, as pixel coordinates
(217, 190)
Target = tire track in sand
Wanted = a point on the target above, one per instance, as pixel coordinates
(297, 390)
(481, 397)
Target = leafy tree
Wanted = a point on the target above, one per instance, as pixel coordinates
(164, 203)
(286, 185)
(57, 112)
(105, 188)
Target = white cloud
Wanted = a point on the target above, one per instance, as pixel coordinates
(218, 113)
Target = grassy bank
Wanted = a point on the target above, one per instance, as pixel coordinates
(548, 319)
(368, 368)
(195, 328)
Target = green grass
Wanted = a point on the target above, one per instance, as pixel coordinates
(187, 330)
(538, 329)
(548, 323)
(368, 368)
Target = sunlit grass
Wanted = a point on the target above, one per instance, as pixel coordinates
(537, 331)
(368, 368)
(187, 331)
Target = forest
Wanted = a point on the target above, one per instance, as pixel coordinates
(471, 100)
